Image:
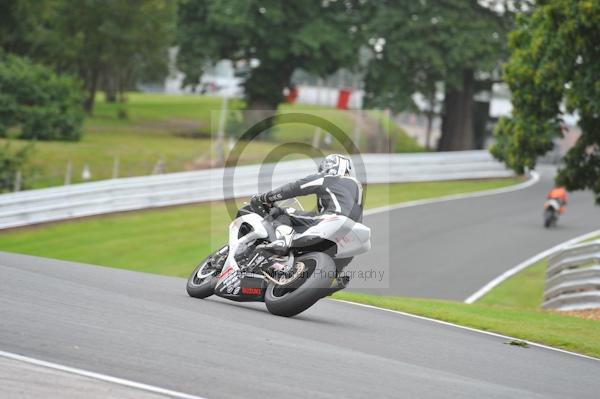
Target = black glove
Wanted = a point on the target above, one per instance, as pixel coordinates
(259, 201)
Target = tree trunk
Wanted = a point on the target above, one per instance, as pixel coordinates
(91, 87)
(256, 111)
(264, 92)
(110, 89)
(457, 119)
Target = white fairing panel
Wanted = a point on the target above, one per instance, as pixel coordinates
(239, 244)
(553, 204)
(357, 241)
(352, 238)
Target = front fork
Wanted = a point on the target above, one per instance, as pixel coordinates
(219, 258)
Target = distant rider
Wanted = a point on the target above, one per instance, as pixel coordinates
(559, 194)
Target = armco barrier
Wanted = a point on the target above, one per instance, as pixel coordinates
(51, 204)
(573, 278)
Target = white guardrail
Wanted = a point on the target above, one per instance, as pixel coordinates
(573, 278)
(86, 199)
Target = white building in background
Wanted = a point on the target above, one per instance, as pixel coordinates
(225, 79)
(217, 80)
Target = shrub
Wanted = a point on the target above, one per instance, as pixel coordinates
(37, 103)
(11, 162)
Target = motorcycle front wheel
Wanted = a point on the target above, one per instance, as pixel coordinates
(201, 283)
(313, 283)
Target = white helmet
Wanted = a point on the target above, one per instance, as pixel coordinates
(336, 164)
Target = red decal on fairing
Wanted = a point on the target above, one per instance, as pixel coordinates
(251, 291)
(226, 272)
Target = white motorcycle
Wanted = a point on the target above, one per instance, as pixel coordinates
(288, 284)
(551, 212)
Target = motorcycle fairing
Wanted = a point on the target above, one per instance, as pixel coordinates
(241, 287)
(351, 238)
(552, 203)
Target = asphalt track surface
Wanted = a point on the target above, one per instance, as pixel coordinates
(449, 250)
(145, 328)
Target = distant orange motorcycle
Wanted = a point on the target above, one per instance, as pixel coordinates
(554, 206)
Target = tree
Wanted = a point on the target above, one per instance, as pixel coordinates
(455, 42)
(23, 26)
(555, 60)
(112, 43)
(314, 35)
(142, 33)
(38, 103)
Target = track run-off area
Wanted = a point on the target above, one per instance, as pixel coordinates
(143, 328)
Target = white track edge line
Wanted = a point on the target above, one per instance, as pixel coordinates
(99, 376)
(446, 323)
(534, 177)
(523, 265)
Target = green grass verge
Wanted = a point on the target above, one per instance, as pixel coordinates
(523, 290)
(171, 240)
(381, 195)
(550, 328)
(402, 142)
(176, 129)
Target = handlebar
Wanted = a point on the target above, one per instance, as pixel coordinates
(261, 209)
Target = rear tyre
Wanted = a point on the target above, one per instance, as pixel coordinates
(201, 283)
(314, 283)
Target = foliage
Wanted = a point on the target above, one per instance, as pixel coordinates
(428, 42)
(555, 58)
(12, 162)
(23, 26)
(110, 44)
(37, 102)
(317, 36)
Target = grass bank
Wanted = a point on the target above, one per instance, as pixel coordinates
(171, 240)
(523, 290)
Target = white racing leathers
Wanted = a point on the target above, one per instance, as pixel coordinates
(341, 195)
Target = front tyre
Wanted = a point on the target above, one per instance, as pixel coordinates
(312, 285)
(201, 283)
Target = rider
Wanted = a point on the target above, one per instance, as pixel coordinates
(337, 190)
(559, 194)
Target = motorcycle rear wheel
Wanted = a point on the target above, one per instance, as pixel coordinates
(315, 283)
(549, 218)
